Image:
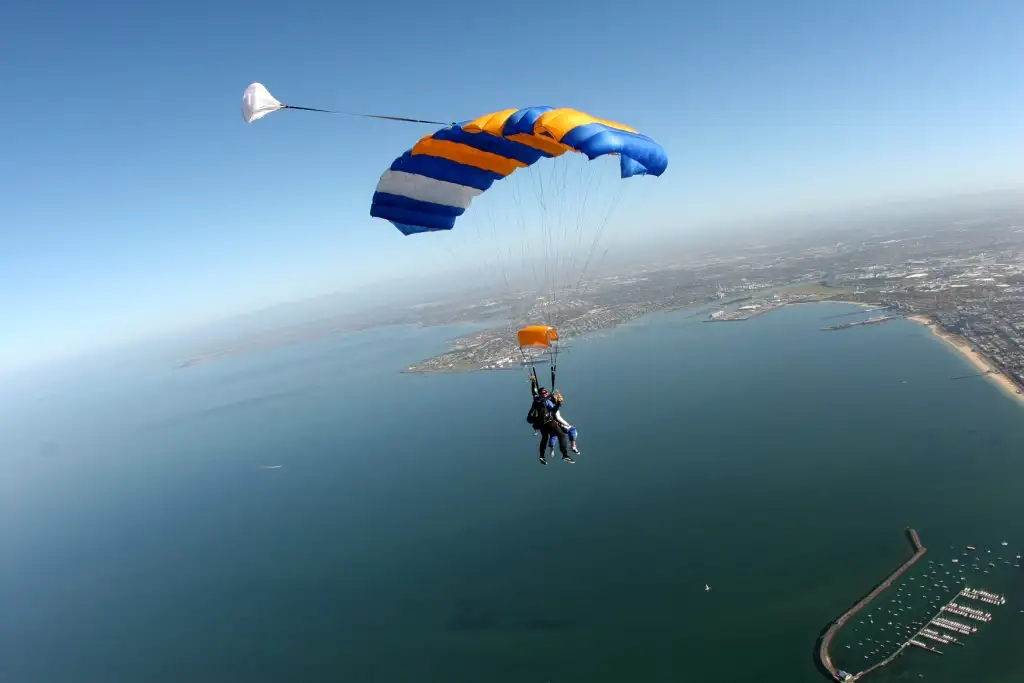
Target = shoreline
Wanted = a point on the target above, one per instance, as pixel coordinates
(423, 368)
(979, 361)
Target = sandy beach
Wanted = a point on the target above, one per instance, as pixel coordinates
(976, 359)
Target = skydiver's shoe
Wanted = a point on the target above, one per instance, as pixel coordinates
(543, 460)
(568, 459)
(575, 450)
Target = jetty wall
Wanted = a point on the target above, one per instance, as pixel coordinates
(826, 640)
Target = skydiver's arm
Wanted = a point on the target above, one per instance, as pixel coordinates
(533, 386)
(561, 420)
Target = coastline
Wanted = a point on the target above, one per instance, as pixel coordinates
(446, 363)
(981, 363)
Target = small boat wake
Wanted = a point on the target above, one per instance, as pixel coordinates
(270, 467)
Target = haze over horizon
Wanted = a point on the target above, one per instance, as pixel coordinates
(148, 207)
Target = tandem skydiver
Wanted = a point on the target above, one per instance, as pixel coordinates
(542, 418)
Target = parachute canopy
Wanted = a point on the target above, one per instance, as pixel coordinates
(257, 102)
(537, 336)
(433, 183)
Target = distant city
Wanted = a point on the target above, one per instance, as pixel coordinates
(966, 276)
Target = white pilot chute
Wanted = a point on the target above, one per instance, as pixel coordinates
(257, 102)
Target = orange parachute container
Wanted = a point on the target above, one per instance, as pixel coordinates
(537, 336)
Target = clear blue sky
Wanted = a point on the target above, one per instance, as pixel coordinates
(133, 198)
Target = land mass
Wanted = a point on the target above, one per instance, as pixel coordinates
(961, 269)
(496, 348)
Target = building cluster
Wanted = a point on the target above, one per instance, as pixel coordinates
(990, 333)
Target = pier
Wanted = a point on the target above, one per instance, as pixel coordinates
(871, 321)
(926, 647)
(983, 596)
(977, 374)
(826, 640)
(861, 312)
(961, 611)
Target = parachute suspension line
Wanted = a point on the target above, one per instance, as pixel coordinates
(402, 119)
(482, 247)
(560, 267)
(540, 190)
(437, 253)
(544, 243)
(581, 213)
(570, 211)
(537, 184)
(558, 173)
(600, 232)
(517, 218)
(454, 268)
(553, 355)
(552, 210)
(528, 363)
(468, 259)
(497, 249)
(586, 180)
(450, 244)
(527, 248)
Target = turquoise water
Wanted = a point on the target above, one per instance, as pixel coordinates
(410, 534)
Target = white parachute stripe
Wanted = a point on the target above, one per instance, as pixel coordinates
(426, 189)
(257, 102)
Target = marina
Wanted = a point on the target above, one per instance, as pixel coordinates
(930, 610)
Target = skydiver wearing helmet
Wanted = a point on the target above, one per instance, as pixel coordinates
(542, 418)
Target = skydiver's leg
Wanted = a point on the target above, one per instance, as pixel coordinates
(563, 441)
(572, 440)
(545, 436)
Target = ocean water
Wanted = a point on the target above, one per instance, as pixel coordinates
(411, 535)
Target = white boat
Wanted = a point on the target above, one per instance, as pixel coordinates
(707, 587)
